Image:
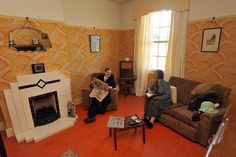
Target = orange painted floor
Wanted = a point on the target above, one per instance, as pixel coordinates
(92, 140)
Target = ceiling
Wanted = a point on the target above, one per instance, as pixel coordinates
(122, 1)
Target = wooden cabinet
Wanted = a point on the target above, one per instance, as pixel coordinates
(127, 78)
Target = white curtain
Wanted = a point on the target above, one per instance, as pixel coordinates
(177, 45)
(143, 42)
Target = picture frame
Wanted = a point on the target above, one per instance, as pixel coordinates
(211, 39)
(38, 68)
(94, 41)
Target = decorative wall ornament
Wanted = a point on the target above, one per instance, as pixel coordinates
(28, 38)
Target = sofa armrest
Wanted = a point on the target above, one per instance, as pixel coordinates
(209, 124)
(85, 97)
(213, 118)
(114, 98)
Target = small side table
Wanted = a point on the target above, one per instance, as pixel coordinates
(128, 127)
(127, 85)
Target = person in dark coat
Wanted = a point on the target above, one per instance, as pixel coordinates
(161, 98)
(100, 107)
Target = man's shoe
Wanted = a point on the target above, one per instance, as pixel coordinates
(145, 120)
(149, 124)
(89, 119)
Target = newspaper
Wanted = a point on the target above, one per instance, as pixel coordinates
(116, 122)
(98, 93)
(99, 90)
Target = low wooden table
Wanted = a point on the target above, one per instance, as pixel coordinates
(141, 124)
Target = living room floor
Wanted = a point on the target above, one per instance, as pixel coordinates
(92, 140)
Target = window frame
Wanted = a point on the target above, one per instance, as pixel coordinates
(159, 41)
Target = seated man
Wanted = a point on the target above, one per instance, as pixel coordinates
(100, 107)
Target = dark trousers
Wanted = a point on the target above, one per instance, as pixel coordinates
(98, 107)
(3, 152)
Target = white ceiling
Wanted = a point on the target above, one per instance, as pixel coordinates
(122, 1)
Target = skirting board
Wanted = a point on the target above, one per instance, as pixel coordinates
(78, 100)
(10, 132)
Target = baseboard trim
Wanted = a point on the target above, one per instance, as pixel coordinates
(10, 132)
(78, 100)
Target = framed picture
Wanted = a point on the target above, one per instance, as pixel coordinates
(38, 68)
(211, 39)
(94, 41)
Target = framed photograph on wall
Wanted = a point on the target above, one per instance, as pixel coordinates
(38, 68)
(211, 39)
(94, 41)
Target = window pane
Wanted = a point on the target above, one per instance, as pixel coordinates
(154, 49)
(153, 63)
(156, 34)
(162, 49)
(165, 18)
(164, 33)
(161, 63)
(156, 19)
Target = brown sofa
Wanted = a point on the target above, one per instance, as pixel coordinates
(114, 96)
(179, 118)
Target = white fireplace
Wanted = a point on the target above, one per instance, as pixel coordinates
(33, 93)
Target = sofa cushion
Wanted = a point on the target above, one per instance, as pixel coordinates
(173, 90)
(183, 114)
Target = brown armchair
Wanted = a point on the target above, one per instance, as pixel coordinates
(114, 96)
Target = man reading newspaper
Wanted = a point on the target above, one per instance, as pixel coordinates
(100, 95)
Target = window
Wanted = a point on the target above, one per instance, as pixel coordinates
(160, 35)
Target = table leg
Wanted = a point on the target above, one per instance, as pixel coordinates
(115, 139)
(110, 132)
(143, 131)
(3, 152)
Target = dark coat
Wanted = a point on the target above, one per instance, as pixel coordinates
(196, 101)
(110, 81)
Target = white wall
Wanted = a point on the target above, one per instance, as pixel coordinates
(127, 20)
(98, 13)
(199, 9)
(41, 9)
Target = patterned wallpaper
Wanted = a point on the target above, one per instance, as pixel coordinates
(70, 54)
(212, 67)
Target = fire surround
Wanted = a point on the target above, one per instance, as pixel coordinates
(17, 98)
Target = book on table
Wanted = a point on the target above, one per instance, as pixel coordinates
(116, 122)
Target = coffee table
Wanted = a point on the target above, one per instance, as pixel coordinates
(141, 124)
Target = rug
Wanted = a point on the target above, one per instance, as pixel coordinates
(69, 153)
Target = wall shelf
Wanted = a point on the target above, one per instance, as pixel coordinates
(28, 38)
(35, 47)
